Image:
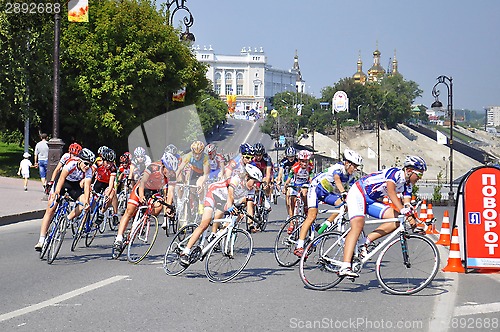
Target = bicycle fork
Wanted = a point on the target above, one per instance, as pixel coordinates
(404, 249)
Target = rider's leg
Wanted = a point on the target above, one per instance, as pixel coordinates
(205, 222)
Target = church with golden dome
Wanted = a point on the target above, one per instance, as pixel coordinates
(376, 73)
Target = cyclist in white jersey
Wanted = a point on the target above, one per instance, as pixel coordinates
(366, 196)
(75, 178)
(329, 187)
(221, 196)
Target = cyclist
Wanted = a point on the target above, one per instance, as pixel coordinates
(123, 170)
(73, 172)
(73, 151)
(264, 162)
(138, 164)
(216, 162)
(221, 196)
(154, 179)
(237, 164)
(173, 150)
(329, 187)
(104, 182)
(366, 196)
(300, 175)
(284, 170)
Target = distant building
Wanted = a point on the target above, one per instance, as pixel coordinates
(493, 116)
(249, 77)
(376, 72)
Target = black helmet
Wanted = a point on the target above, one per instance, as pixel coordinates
(87, 155)
(259, 148)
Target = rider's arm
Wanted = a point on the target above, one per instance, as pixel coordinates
(86, 190)
(338, 183)
(142, 182)
(60, 183)
(393, 196)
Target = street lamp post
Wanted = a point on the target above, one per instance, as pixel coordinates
(448, 82)
(358, 112)
(188, 20)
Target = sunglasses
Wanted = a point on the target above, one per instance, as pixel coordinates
(247, 156)
(418, 174)
(86, 163)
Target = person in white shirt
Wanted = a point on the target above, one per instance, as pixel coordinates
(42, 157)
(24, 169)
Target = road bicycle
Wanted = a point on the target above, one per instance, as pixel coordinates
(92, 220)
(123, 197)
(275, 193)
(227, 253)
(406, 263)
(171, 222)
(286, 240)
(261, 213)
(57, 228)
(187, 204)
(142, 235)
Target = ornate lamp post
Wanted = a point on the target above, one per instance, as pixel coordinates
(188, 20)
(448, 82)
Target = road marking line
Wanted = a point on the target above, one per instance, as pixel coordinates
(477, 309)
(60, 298)
(249, 132)
(444, 303)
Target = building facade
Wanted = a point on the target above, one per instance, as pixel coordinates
(493, 116)
(249, 77)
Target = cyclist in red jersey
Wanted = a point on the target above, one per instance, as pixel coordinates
(154, 179)
(104, 181)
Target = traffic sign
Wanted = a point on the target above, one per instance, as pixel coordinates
(340, 102)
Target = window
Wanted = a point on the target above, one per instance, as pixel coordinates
(229, 76)
(218, 76)
(217, 88)
(229, 89)
(239, 76)
(239, 89)
(255, 90)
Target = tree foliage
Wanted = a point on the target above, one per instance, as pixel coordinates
(117, 71)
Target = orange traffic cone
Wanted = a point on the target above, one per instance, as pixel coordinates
(444, 236)
(423, 214)
(430, 218)
(454, 261)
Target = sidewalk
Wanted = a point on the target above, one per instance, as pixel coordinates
(17, 204)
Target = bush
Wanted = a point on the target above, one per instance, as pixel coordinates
(12, 137)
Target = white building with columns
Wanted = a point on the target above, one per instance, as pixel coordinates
(249, 76)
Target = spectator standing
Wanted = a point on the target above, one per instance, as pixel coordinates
(42, 157)
(24, 169)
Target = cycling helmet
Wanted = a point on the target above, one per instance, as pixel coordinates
(259, 148)
(211, 148)
(246, 148)
(109, 155)
(290, 151)
(353, 157)
(74, 148)
(125, 158)
(304, 155)
(197, 147)
(170, 161)
(139, 152)
(415, 162)
(171, 149)
(101, 150)
(254, 172)
(87, 155)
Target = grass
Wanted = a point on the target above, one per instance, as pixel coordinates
(10, 157)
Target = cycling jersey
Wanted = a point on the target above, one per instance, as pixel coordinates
(65, 157)
(301, 175)
(196, 165)
(323, 186)
(74, 173)
(263, 164)
(216, 163)
(217, 192)
(104, 171)
(156, 179)
(286, 165)
(140, 166)
(374, 185)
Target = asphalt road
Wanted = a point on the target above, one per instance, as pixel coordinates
(86, 290)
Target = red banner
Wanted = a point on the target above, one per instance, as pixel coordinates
(482, 218)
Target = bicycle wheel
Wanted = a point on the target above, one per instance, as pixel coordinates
(229, 256)
(318, 269)
(171, 263)
(48, 237)
(57, 239)
(285, 243)
(91, 228)
(142, 239)
(172, 224)
(110, 217)
(122, 203)
(80, 230)
(399, 278)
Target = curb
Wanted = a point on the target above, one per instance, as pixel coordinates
(15, 218)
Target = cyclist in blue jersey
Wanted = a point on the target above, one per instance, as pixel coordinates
(284, 170)
(366, 196)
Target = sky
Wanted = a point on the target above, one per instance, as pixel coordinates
(456, 38)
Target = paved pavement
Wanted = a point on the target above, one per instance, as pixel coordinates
(17, 204)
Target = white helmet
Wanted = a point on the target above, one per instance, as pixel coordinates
(353, 157)
(304, 155)
(254, 172)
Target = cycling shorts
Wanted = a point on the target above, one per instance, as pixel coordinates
(358, 206)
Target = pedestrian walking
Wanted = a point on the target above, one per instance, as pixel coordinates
(24, 169)
(42, 157)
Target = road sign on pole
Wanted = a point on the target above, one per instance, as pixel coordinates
(340, 102)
